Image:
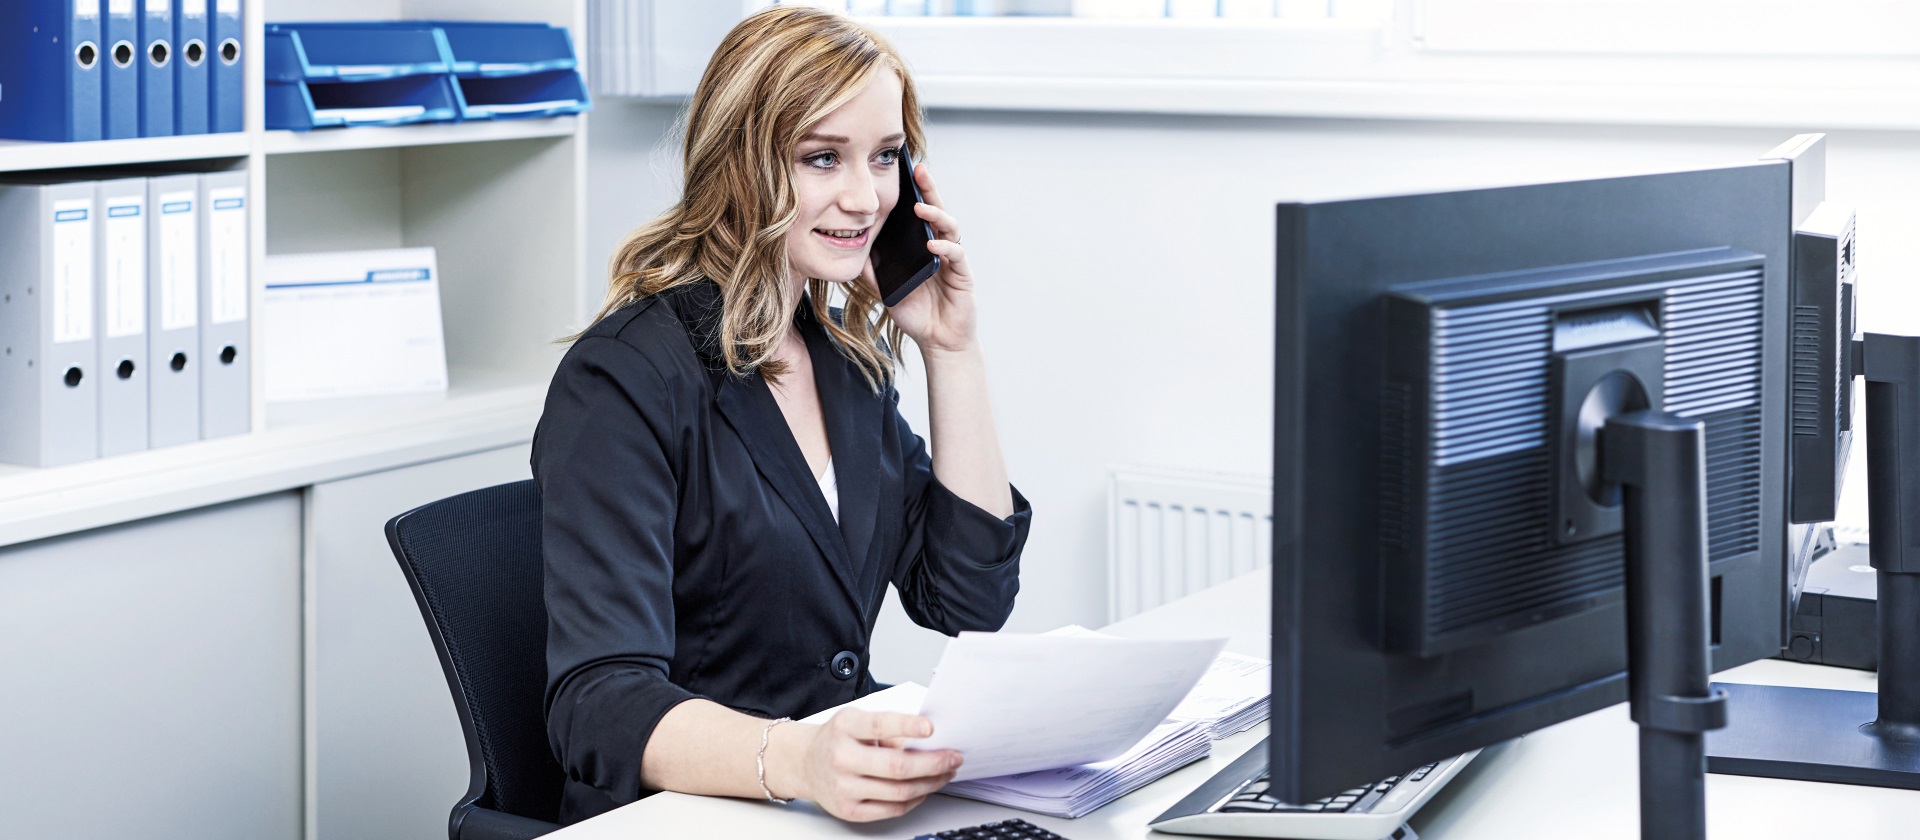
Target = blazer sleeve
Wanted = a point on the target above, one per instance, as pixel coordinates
(608, 502)
(959, 567)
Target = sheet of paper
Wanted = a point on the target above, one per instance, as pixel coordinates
(1012, 703)
(1232, 682)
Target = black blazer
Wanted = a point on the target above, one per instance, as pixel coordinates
(690, 553)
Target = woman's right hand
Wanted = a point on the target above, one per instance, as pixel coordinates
(856, 766)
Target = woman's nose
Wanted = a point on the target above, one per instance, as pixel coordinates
(860, 194)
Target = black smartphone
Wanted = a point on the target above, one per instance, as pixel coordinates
(901, 261)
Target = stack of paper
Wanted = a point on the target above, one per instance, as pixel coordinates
(1074, 791)
(1231, 697)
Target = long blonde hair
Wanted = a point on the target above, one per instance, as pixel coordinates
(778, 72)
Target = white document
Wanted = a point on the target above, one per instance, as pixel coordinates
(1011, 703)
(353, 324)
(126, 267)
(1230, 685)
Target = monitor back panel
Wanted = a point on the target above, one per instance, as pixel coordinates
(1365, 689)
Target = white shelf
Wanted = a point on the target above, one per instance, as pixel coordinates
(314, 442)
(430, 134)
(20, 156)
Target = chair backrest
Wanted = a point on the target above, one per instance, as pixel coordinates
(474, 563)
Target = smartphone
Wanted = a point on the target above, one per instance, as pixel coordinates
(901, 261)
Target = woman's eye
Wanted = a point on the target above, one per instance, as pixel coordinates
(888, 157)
(823, 160)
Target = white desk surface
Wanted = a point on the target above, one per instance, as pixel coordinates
(1575, 780)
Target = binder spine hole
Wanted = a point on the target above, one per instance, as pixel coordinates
(87, 55)
(178, 362)
(194, 52)
(158, 53)
(125, 370)
(73, 377)
(228, 354)
(123, 54)
(229, 51)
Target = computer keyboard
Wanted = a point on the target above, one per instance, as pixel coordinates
(1002, 830)
(1235, 803)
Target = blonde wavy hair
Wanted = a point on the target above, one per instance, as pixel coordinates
(778, 72)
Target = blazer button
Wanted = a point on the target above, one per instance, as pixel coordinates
(846, 663)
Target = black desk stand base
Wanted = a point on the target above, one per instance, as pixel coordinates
(1809, 734)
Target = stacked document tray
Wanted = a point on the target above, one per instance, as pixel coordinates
(508, 70)
(323, 75)
(378, 74)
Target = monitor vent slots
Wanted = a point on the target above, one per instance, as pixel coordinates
(1469, 471)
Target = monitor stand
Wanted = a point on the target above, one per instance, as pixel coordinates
(1659, 461)
(1853, 737)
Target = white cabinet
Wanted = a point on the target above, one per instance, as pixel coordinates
(386, 756)
(150, 678)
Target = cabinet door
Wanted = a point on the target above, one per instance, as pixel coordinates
(150, 678)
(387, 759)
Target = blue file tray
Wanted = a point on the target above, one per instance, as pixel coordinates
(486, 49)
(302, 106)
(300, 52)
(531, 95)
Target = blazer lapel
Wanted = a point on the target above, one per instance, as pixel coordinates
(749, 407)
(853, 416)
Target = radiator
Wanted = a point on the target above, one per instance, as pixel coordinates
(1172, 532)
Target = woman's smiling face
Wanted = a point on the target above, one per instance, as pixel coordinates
(846, 180)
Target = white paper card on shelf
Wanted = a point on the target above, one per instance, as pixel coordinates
(180, 271)
(227, 258)
(72, 271)
(1012, 703)
(352, 324)
(126, 268)
(385, 112)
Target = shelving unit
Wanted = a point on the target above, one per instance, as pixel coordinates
(228, 609)
(502, 201)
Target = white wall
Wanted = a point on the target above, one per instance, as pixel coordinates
(1126, 267)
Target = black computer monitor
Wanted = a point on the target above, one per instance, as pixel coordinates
(1448, 572)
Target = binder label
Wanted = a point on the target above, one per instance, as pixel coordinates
(126, 268)
(72, 271)
(229, 7)
(179, 263)
(120, 7)
(227, 262)
(160, 7)
(193, 8)
(86, 8)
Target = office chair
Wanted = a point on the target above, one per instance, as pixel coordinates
(473, 561)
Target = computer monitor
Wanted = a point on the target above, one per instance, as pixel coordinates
(1448, 568)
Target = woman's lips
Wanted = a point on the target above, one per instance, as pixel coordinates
(847, 243)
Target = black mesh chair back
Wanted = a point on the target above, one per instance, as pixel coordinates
(474, 563)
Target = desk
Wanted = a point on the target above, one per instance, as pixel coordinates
(1578, 779)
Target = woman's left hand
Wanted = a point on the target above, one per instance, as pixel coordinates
(938, 316)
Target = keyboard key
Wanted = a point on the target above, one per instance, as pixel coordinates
(1252, 806)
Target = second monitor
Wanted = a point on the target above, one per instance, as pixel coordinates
(1449, 560)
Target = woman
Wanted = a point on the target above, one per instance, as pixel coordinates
(728, 486)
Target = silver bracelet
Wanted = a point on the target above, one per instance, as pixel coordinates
(760, 760)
